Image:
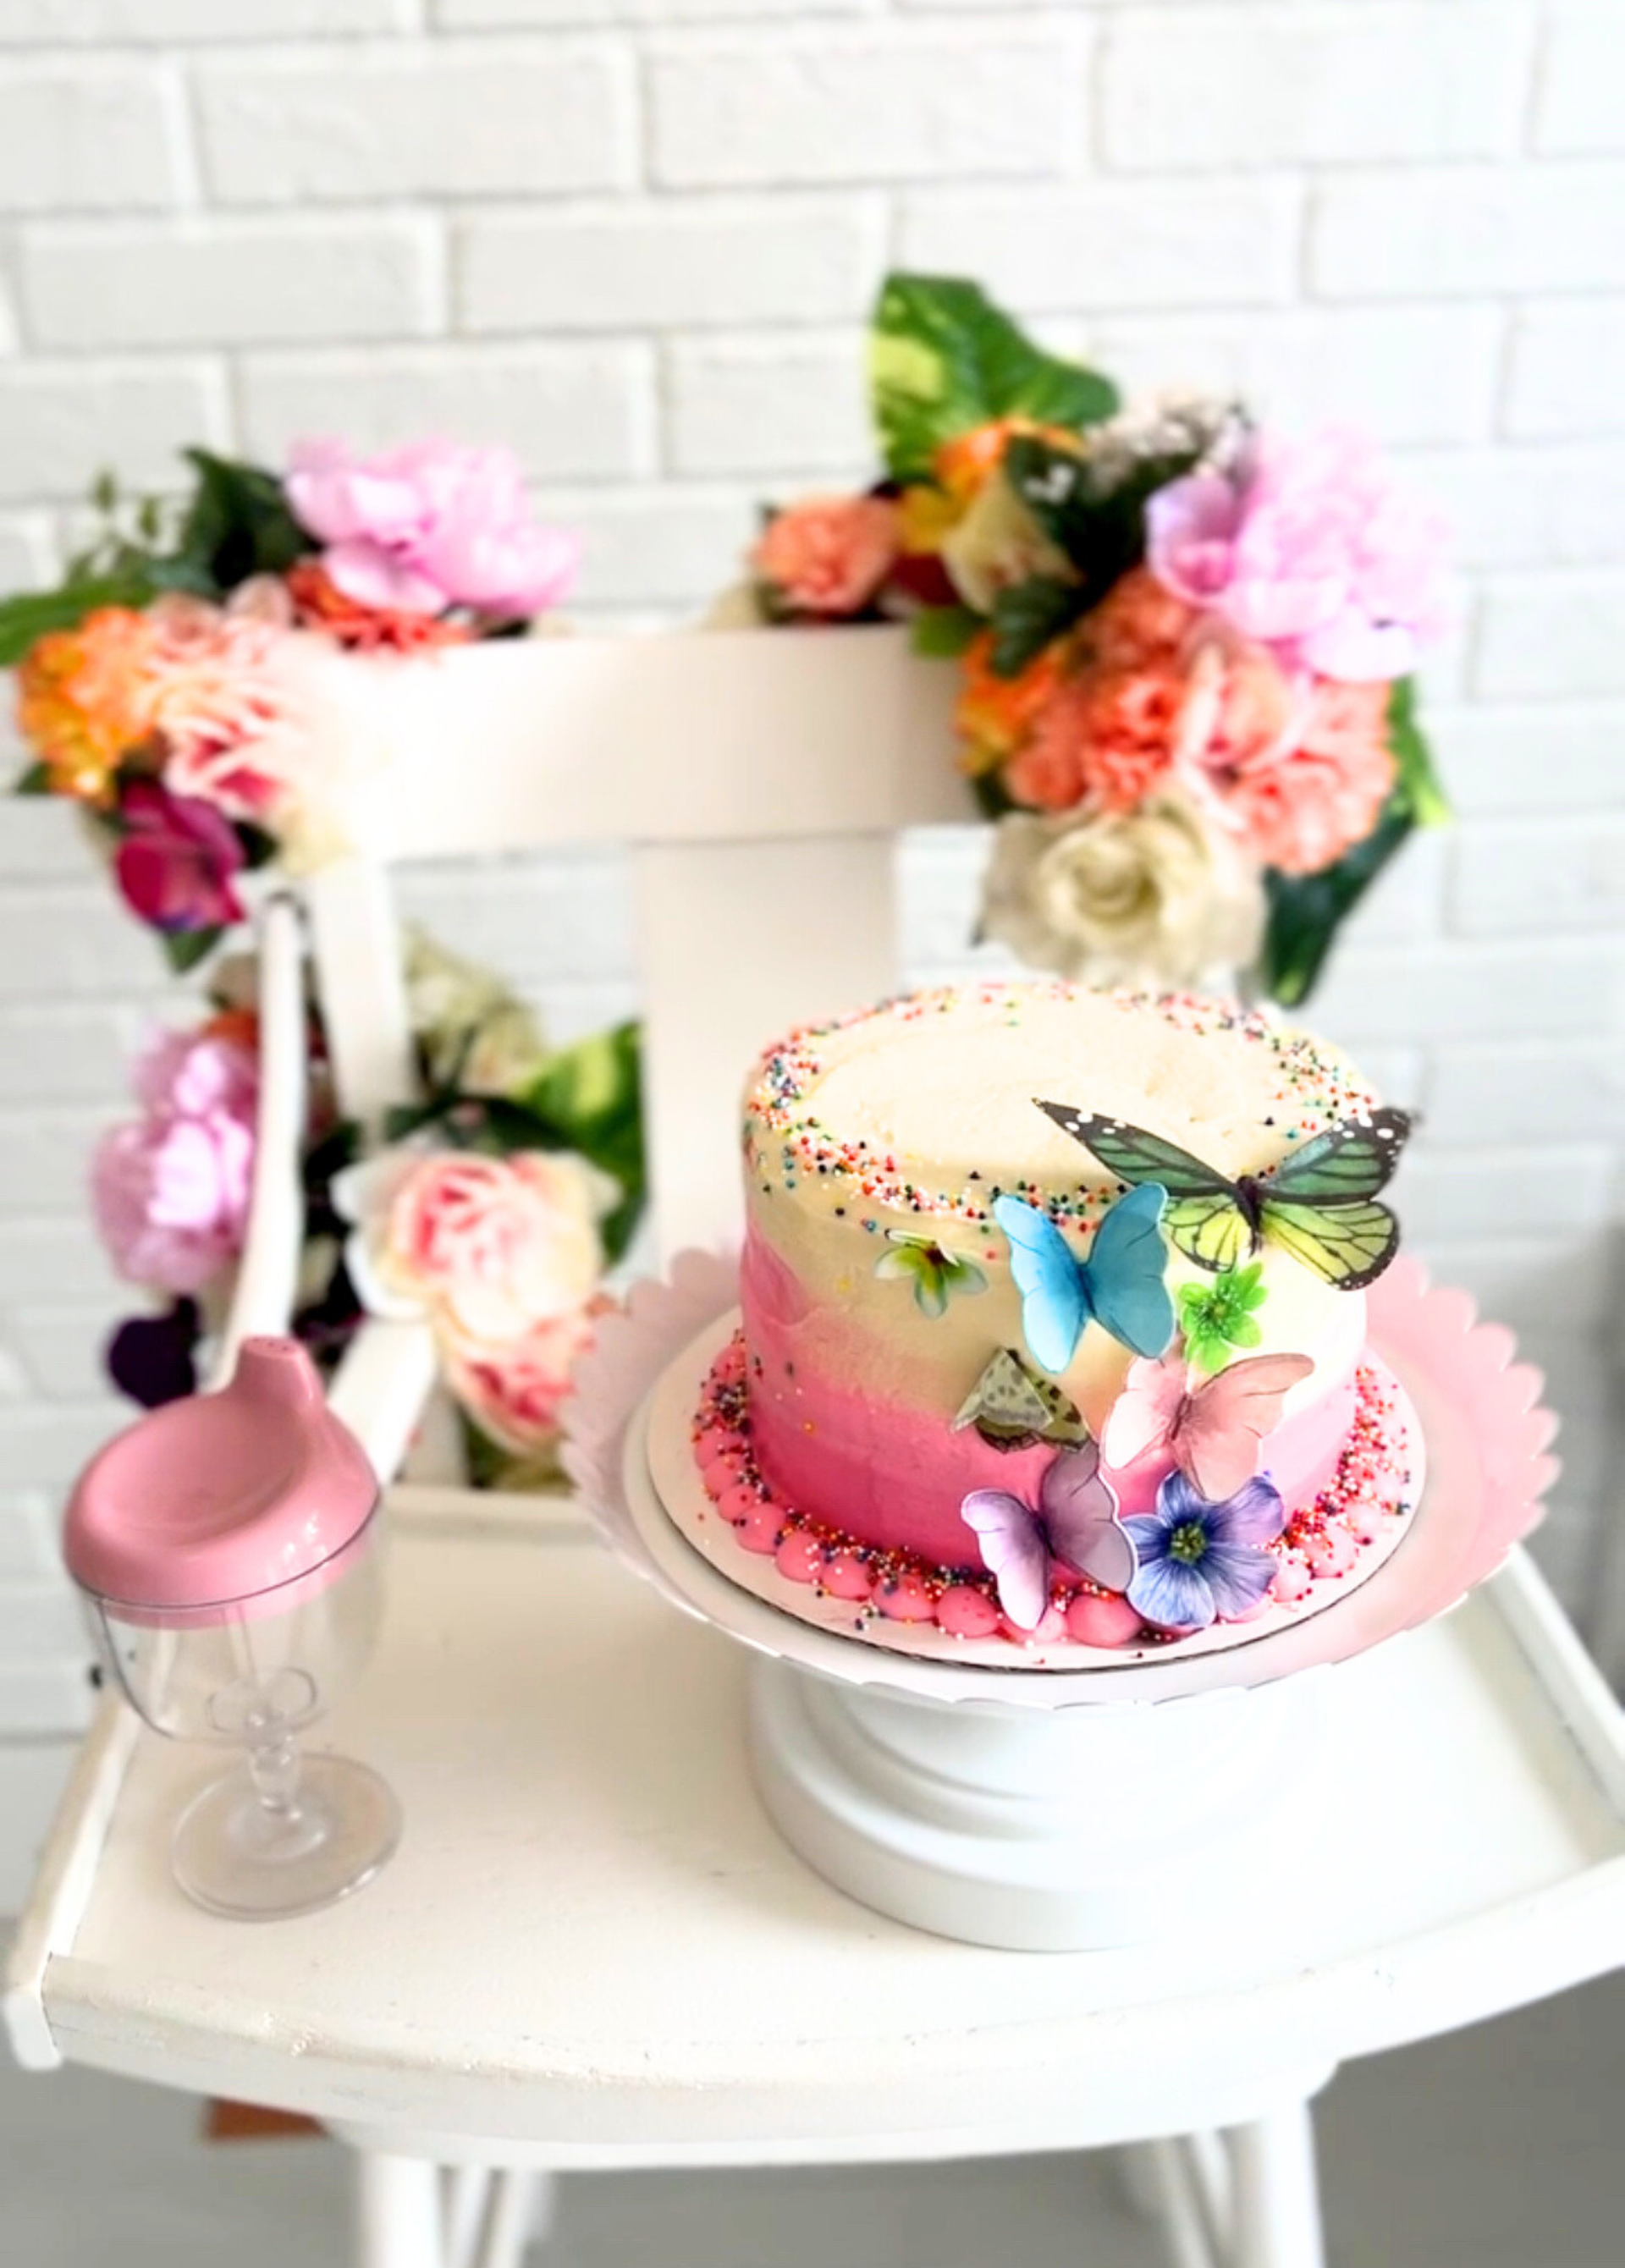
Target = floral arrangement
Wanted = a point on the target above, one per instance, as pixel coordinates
(1186, 644)
(500, 1199)
(159, 684)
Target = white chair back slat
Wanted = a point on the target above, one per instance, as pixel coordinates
(711, 737)
(759, 780)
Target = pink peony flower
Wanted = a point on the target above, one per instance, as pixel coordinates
(513, 1388)
(488, 1247)
(1301, 805)
(176, 864)
(428, 527)
(828, 554)
(170, 1190)
(1309, 549)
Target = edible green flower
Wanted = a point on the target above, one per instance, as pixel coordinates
(936, 1274)
(1218, 1315)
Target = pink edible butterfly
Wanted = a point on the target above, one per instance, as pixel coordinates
(1213, 1432)
(1075, 1521)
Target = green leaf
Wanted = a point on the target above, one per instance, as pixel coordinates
(237, 524)
(1027, 617)
(944, 359)
(1102, 532)
(1306, 911)
(943, 633)
(258, 848)
(184, 948)
(35, 781)
(993, 798)
(1419, 784)
(34, 614)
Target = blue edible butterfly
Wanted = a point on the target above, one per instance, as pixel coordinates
(1120, 1286)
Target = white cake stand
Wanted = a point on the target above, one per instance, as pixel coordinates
(1061, 1809)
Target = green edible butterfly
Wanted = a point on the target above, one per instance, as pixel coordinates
(1319, 1203)
(1011, 1409)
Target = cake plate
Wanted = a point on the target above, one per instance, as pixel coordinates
(1060, 1808)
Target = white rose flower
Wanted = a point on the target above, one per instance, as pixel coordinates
(996, 544)
(1156, 895)
(468, 1024)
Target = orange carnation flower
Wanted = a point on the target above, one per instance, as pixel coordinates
(995, 714)
(84, 700)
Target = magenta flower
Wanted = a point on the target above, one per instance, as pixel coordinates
(429, 527)
(1308, 549)
(170, 1189)
(175, 863)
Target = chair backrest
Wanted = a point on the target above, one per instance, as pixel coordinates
(759, 780)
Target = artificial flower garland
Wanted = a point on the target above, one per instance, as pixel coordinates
(1187, 645)
(160, 689)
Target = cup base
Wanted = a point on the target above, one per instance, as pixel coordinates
(234, 1856)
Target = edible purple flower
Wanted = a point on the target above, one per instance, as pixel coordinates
(1198, 1561)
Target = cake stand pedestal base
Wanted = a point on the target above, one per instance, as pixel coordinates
(1063, 1830)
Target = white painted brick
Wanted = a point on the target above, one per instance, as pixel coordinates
(28, 553)
(1531, 756)
(40, 1623)
(45, 1159)
(443, 120)
(61, 1350)
(1524, 1092)
(69, 1051)
(58, 22)
(1562, 634)
(1522, 876)
(688, 262)
(581, 411)
(45, 1447)
(563, 920)
(28, 1526)
(1582, 80)
(62, 422)
(32, 1774)
(1365, 80)
(1451, 1193)
(656, 547)
(53, 1259)
(1563, 987)
(747, 404)
(1404, 903)
(845, 106)
(42, 835)
(1108, 245)
(1429, 234)
(230, 282)
(63, 939)
(1406, 374)
(88, 137)
(1526, 507)
(50, 1698)
(1567, 372)
(514, 15)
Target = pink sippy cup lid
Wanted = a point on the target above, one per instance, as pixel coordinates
(223, 1496)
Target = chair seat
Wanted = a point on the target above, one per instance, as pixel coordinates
(593, 1949)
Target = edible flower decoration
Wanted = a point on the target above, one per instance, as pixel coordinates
(1073, 1524)
(1215, 1317)
(1196, 1560)
(935, 1273)
(1187, 643)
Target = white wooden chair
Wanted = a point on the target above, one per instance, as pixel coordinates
(591, 1950)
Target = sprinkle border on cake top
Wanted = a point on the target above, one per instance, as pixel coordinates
(1317, 1086)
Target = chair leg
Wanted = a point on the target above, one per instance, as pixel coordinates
(519, 2210)
(399, 2215)
(1277, 2206)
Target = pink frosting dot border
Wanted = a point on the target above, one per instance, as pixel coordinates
(1323, 1541)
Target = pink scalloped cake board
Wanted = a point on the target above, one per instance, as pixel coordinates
(895, 1601)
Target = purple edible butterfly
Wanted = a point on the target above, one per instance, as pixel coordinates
(1075, 1521)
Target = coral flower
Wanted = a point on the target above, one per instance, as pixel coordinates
(320, 605)
(828, 556)
(1302, 809)
(995, 713)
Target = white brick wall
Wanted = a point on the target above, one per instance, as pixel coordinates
(636, 239)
